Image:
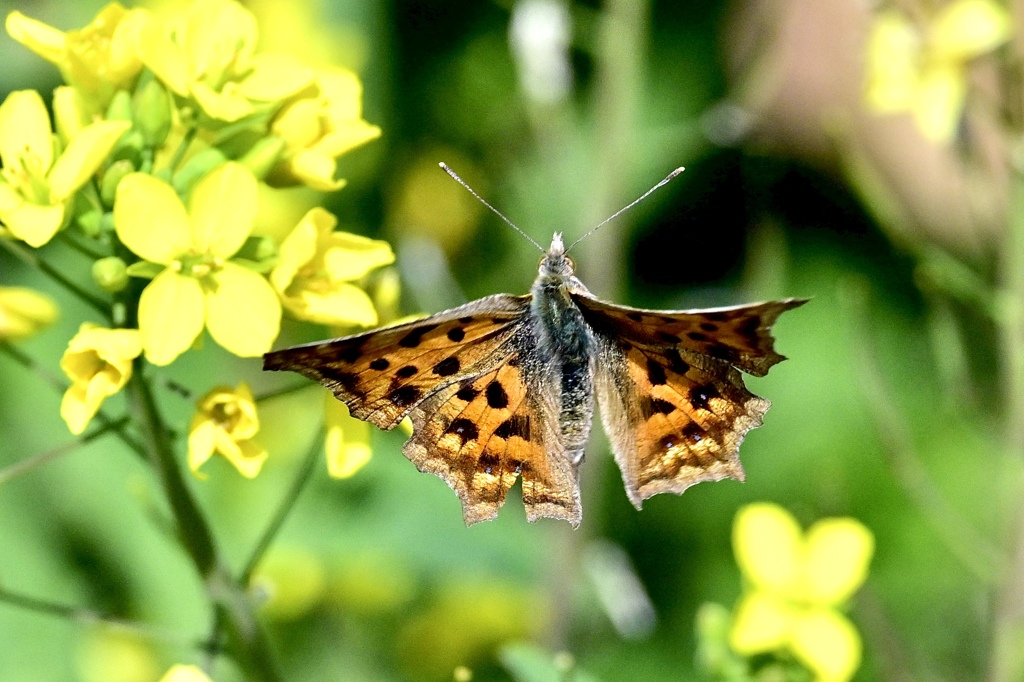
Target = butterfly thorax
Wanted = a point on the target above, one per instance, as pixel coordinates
(566, 343)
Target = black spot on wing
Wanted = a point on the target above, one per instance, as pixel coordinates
(656, 373)
(404, 396)
(516, 425)
(700, 396)
(380, 364)
(415, 336)
(497, 398)
(464, 429)
(447, 367)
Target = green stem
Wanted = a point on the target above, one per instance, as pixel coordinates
(33, 260)
(179, 153)
(246, 640)
(302, 478)
(89, 617)
(30, 463)
(280, 392)
(1007, 662)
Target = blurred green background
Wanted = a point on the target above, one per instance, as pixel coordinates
(888, 409)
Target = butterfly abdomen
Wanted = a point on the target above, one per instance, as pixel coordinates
(567, 342)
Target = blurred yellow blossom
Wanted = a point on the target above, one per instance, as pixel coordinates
(210, 58)
(23, 312)
(318, 126)
(348, 439)
(99, 363)
(36, 182)
(198, 285)
(923, 70)
(226, 422)
(795, 583)
(185, 673)
(317, 267)
(294, 580)
(97, 60)
(104, 650)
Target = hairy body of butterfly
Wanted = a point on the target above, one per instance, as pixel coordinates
(504, 387)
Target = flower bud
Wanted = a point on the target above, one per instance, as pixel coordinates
(263, 156)
(110, 273)
(196, 167)
(152, 105)
(112, 177)
(90, 222)
(120, 108)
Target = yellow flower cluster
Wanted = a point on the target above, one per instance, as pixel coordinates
(159, 141)
(795, 584)
(922, 69)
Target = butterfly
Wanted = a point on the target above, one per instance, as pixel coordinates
(505, 387)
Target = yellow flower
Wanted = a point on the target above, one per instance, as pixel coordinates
(294, 581)
(198, 286)
(318, 126)
(97, 60)
(923, 70)
(210, 58)
(99, 363)
(226, 422)
(185, 673)
(795, 583)
(35, 182)
(348, 440)
(23, 312)
(317, 266)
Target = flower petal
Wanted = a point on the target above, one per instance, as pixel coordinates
(828, 644)
(315, 170)
(163, 56)
(762, 623)
(150, 219)
(201, 437)
(768, 544)
(242, 311)
(351, 256)
(44, 40)
(838, 554)
(892, 67)
(274, 78)
(223, 209)
(83, 156)
(24, 312)
(76, 410)
(940, 101)
(25, 129)
(170, 316)
(966, 29)
(348, 440)
(299, 247)
(342, 305)
(185, 673)
(247, 456)
(33, 224)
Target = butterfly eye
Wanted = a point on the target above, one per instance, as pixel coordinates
(572, 264)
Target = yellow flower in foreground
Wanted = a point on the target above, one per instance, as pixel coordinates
(226, 422)
(317, 267)
(23, 312)
(198, 285)
(35, 182)
(795, 583)
(185, 673)
(348, 439)
(99, 363)
(318, 126)
(924, 70)
(210, 58)
(97, 60)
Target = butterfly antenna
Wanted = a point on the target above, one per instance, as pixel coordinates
(455, 176)
(622, 210)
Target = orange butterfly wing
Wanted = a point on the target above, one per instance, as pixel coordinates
(673, 403)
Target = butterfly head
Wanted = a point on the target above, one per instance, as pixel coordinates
(556, 265)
